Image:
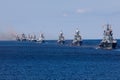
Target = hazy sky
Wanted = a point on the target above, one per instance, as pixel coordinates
(52, 16)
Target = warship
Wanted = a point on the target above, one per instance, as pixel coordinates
(18, 38)
(61, 39)
(29, 37)
(77, 41)
(21, 37)
(108, 42)
(33, 38)
(41, 38)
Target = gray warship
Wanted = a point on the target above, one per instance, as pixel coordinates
(21, 37)
(41, 38)
(108, 42)
(77, 41)
(61, 39)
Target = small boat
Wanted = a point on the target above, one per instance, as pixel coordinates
(108, 42)
(77, 41)
(41, 38)
(61, 39)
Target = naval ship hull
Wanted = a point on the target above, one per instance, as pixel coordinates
(104, 45)
(21, 39)
(77, 43)
(61, 42)
(24, 39)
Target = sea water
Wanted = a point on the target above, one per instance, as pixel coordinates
(51, 61)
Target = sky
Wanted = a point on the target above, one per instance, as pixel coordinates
(52, 16)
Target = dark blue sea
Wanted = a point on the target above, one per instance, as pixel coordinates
(51, 61)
